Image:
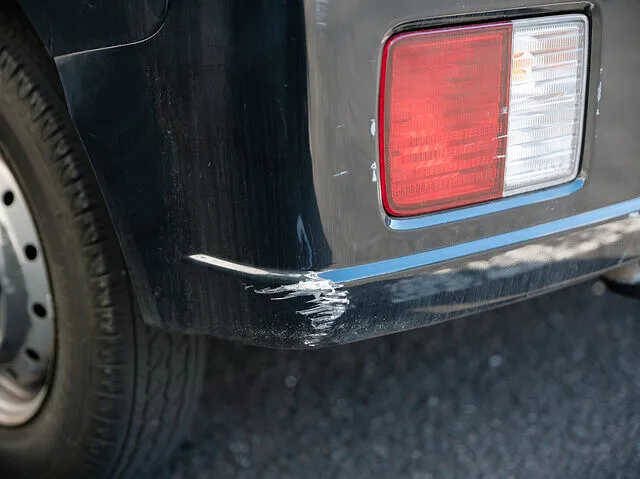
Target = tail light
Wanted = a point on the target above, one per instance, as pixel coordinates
(476, 113)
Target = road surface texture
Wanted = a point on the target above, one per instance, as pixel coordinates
(548, 388)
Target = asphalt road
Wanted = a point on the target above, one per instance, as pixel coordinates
(548, 388)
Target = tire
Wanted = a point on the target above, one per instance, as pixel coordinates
(121, 394)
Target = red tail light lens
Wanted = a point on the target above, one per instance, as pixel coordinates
(444, 117)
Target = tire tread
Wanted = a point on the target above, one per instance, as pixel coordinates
(136, 426)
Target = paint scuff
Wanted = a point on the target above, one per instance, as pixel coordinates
(322, 12)
(328, 302)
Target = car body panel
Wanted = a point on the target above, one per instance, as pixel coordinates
(67, 26)
(237, 151)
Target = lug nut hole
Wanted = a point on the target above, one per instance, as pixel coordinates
(39, 310)
(8, 198)
(33, 355)
(30, 252)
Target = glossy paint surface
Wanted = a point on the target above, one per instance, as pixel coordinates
(238, 150)
(67, 26)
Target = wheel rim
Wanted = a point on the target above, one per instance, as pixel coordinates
(27, 327)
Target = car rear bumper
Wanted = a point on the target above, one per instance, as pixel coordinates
(311, 309)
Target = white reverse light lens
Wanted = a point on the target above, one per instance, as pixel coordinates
(546, 102)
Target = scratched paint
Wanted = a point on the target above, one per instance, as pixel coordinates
(322, 12)
(305, 253)
(328, 302)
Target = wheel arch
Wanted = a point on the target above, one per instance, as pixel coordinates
(69, 26)
(137, 275)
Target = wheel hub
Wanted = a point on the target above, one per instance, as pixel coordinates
(27, 329)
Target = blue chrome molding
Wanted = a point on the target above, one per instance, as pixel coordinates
(503, 204)
(396, 265)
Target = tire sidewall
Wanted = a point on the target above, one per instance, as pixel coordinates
(57, 437)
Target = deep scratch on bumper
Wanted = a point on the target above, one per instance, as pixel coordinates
(329, 300)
